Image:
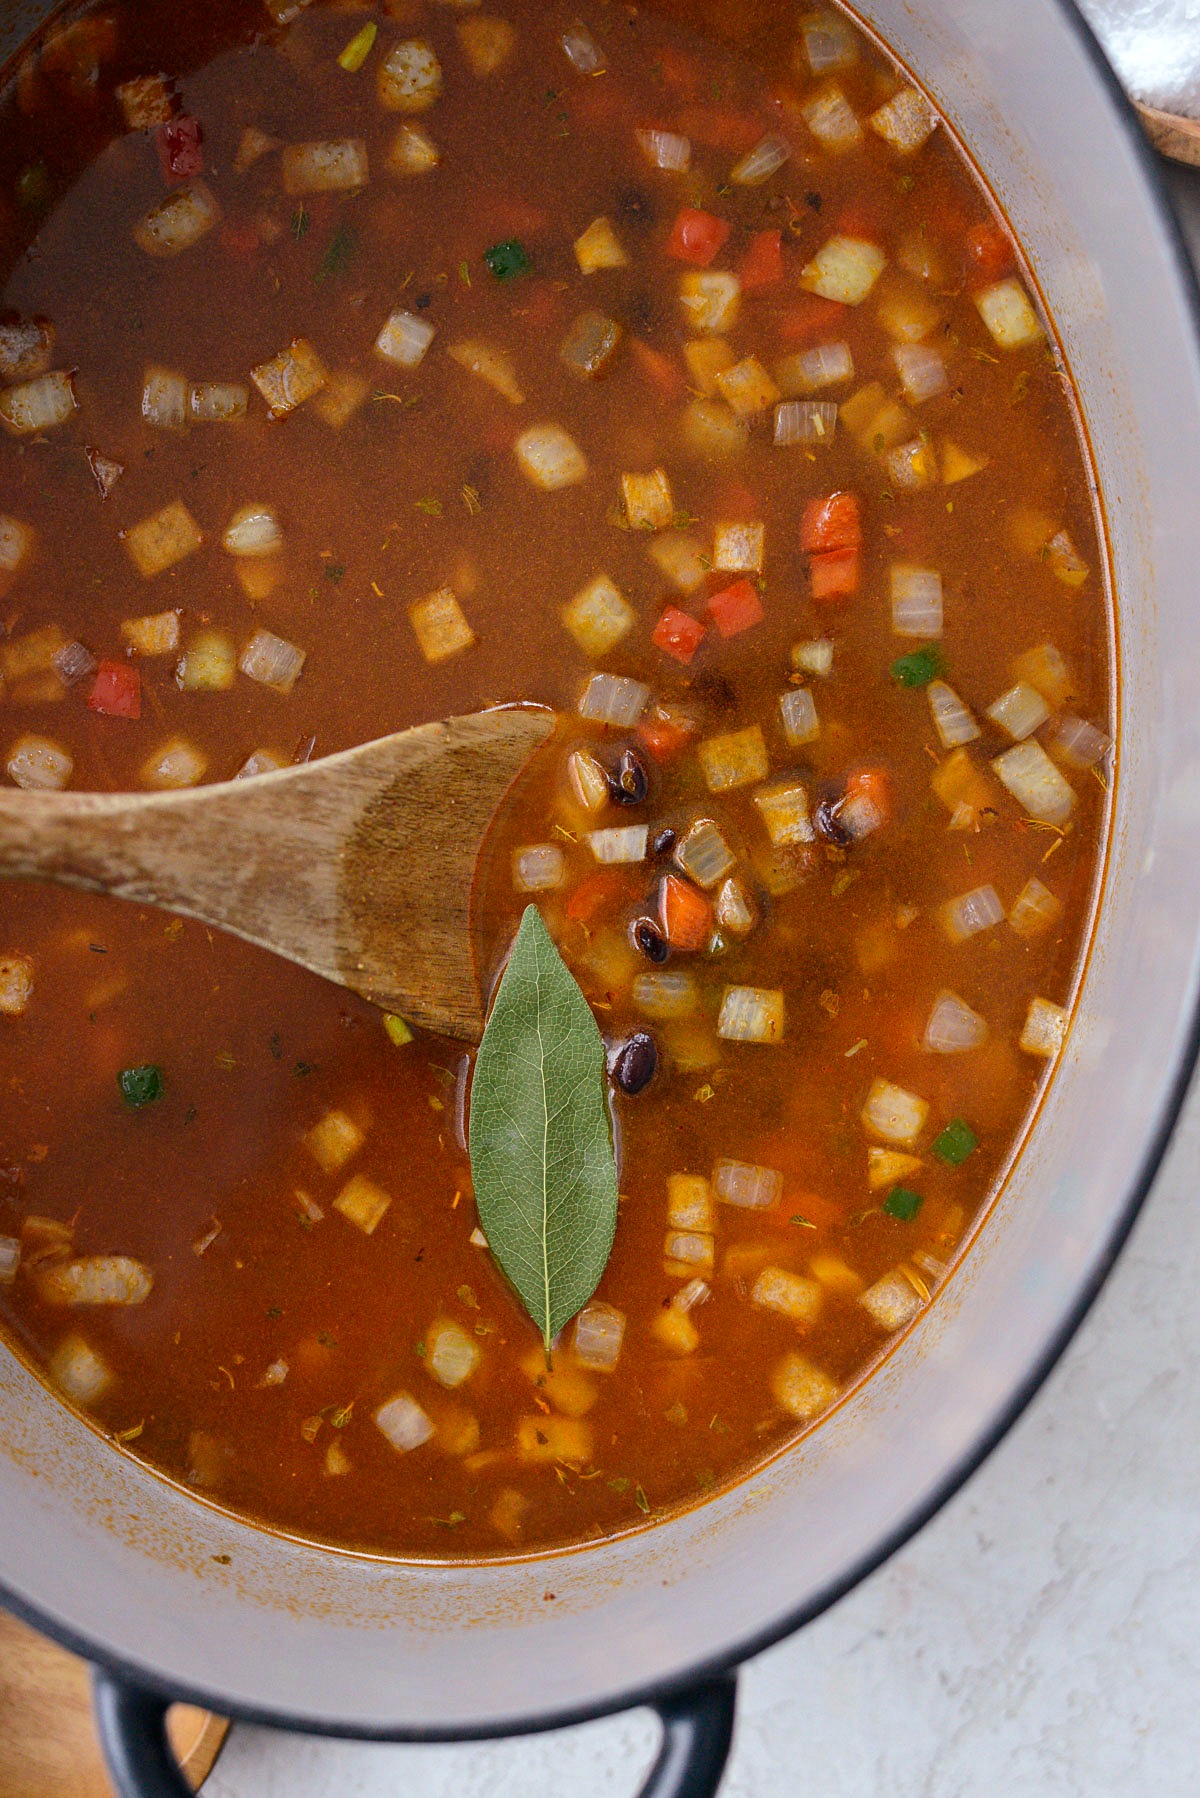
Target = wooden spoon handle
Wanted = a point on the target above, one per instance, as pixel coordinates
(107, 842)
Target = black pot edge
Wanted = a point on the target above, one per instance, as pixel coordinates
(653, 1693)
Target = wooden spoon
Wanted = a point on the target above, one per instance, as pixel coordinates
(360, 866)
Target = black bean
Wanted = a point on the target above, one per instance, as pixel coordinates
(650, 940)
(633, 202)
(665, 841)
(715, 691)
(829, 825)
(636, 1063)
(630, 784)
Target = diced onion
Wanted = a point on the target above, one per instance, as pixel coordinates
(745, 1184)
(710, 298)
(1034, 909)
(971, 912)
(488, 42)
(155, 634)
(38, 405)
(832, 120)
(737, 914)
(814, 657)
(26, 347)
(1035, 783)
(736, 759)
(537, 867)
(953, 1026)
(165, 399)
(894, 1114)
(860, 815)
(290, 378)
(16, 990)
(768, 155)
(844, 269)
(1066, 563)
(404, 339)
(599, 247)
(751, 1014)
(690, 1202)
(912, 466)
(73, 662)
(805, 421)
(681, 559)
(905, 121)
(451, 1356)
(337, 166)
(1005, 309)
(614, 699)
(173, 766)
(166, 537)
(260, 761)
(253, 531)
(1046, 669)
(208, 664)
(665, 149)
(887, 1167)
(647, 500)
(582, 50)
(80, 1372)
(1020, 711)
(38, 765)
(619, 843)
(827, 42)
(598, 617)
(696, 1292)
(801, 1389)
(703, 853)
(549, 457)
(16, 542)
(916, 601)
(798, 714)
(1045, 1029)
(492, 365)
(599, 1333)
(665, 995)
(792, 1295)
(738, 548)
(1080, 743)
(412, 152)
(177, 221)
(921, 369)
(410, 77)
(892, 1301)
(403, 1422)
(807, 371)
(10, 1259)
(94, 1280)
(275, 1374)
(686, 1251)
(271, 661)
(441, 626)
(783, 808)
(587, 780)
(217, 402)
(951, 719)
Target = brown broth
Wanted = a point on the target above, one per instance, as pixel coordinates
(417, 491)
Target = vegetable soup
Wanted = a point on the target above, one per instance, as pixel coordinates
(363, 366)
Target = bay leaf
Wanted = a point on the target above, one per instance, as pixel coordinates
(541, 1144)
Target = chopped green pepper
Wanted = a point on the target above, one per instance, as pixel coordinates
(140, 1086)
(397, 1030)
(507, 260)
(955, 1143)
(919, 667)
(903, 1204)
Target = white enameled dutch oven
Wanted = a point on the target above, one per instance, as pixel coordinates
(168, 1596)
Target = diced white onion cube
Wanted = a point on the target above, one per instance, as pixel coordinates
(1080, 743)
(619, 843)
(759, 164)
(177, 221)
(737, 914)
(336, 166)
(409, 78)
(440, 625)
(582, 50)
(916, 601)
(403, 1422)
(38, 405)
(921, 369)
(10, 1259)
(814, 657)
(1034, 909)
(710, 298)
(549, 458)
(16, 985)
(783, 808)
(412, 152)
(271, 661)
(451, 1356)
(745, 1184)
(905, 121)
(490, 364)
(808, 371)
(614, 699)
(290, 378)
(738, 548)
(832, 120)
(79, 1371)
(1045, 1028)
(1005, 309)
(217, 402)
(38, 765)
(792, 1295)
(970, 913)
(599, 1333)
(844, 269)
(805, 421)
(953, 1027)
(690, 1204)
(174, 765)
(598, 616)
(74, 662)
(16, 542)
(1035, 783)
(827, 42)
(1020, 711)
(665, 995)
(260, 761)
(951, 719)
(404, 339)
(703, 853)
(165, 399)
(538, 867)
(751, 1014)
(911, 466)
(798, 714)
(587, 780)
(801, 1389)
(253, 531)
(665, 149)
(736, 759)
(894, 1114)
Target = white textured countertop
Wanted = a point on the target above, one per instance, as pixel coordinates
(1038, 1637)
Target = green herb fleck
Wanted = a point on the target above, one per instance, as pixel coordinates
(301, 220)
(140, 1086)
(955, 1143)
(431, 507)
(397, 1030)
(919, 667)
(802, 1222)
(466, 1295)
(641, 1501)
(618, 1484)
(464, 273)
(339, 1415)
(903, 1204)
(275, 1044)
(337, 257)
(507, 260)
(303, 1068)
(274, 1311)
(334, 571)
(419, 1350)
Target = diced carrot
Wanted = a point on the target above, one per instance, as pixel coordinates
(835, 574)
(593, 893)
(989, 251)
(831, 523)
(720, 128)
(116, 691)
(762, 265)
(678, 634)
(736, 609)
(873, 784)
(697, 237)
(686, 914)
(664, 375)
(862, 217)
(809, 319)
(665, 733)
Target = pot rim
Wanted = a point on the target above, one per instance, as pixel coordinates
(649, 1693)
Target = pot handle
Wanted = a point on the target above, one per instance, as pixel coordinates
(697, 1733)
